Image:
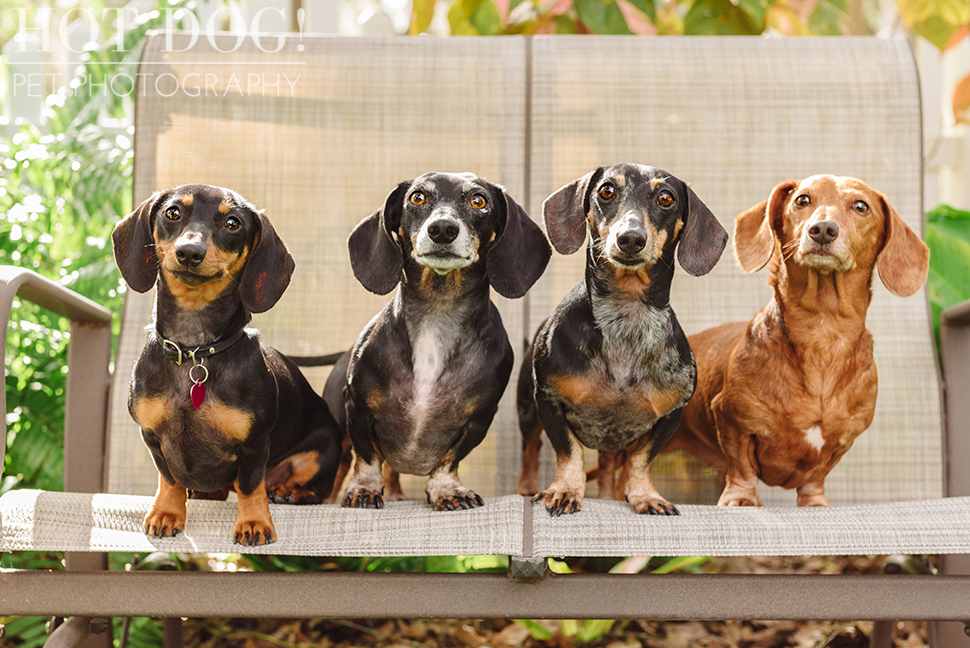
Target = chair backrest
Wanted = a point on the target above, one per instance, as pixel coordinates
(318, 136)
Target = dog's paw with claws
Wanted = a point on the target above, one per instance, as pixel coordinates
(559, 501)
(651, 505)
(459, 498)
(161, 524)
(252, 533)
(739, 499)
(361, 497)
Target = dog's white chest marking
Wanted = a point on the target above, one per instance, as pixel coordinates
(428, 361)
(430, 351)
(813, 436)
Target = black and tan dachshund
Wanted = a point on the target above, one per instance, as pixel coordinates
(217, 409)
(612, 369)
(426, 374)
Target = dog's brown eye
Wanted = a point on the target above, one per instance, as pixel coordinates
(232, 224)
(417, 198)
(666, 199)
(173, 213)
(478, 201)
(803, 201)
(607, 192)
(860, 207)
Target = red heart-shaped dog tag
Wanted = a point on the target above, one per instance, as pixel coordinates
(198, 394)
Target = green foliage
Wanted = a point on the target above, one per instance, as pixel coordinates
(935, 20)
(602, 16)
(61, 194)
(681, 17)
(947, 234)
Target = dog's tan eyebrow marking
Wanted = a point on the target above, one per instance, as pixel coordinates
(187, 199)
(224, 207)
(656, 182)
(620, 180)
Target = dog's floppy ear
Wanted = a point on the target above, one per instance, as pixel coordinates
(754, 235)
(519, 254)
(268, 269)
(375, 253)
(904, 260)
(564, 213)
(134, 245)
(703, 239)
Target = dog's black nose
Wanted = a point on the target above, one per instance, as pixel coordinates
(443, 231)
(632, 240)
(190, 254)
(824, 231)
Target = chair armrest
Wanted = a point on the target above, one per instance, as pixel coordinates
(955, 355)
(88, 378)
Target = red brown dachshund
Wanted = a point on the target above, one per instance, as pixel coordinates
(782, 398)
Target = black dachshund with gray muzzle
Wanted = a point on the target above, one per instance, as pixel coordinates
(612, 369)
(426, 374)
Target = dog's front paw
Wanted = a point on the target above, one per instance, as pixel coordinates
(737, 499)
(458, 498)
(655, 505)
(445, 492)
(161, 524)
(558, 501)
(363, 497)
(254, 532)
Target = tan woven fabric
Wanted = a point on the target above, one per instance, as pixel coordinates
(36, 520)
(601, 528)
(39, 521)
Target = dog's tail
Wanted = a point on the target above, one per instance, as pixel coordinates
(316, 361)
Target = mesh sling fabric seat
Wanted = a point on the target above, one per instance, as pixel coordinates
(319, 136)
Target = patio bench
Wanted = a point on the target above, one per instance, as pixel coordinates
(318, 133)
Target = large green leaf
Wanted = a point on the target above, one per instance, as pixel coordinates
(947, 233)
(602, 16)
(719, 18)
(935, 20)
(474, 17)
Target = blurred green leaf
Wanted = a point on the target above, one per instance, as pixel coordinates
(593, 630)
(756, 10)
(474, 17)
(947, 233)
(602, 16)
(422, 11)
(536, 630)
(647, 7)
(688, 563)
(719, 18)
(828, 17)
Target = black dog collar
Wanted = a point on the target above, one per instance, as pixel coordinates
(177, 354)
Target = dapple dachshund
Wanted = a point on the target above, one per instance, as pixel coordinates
(426, 374)
(612, 367)
(216, 408)
(781, 398)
